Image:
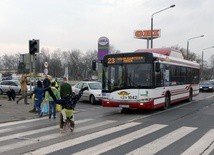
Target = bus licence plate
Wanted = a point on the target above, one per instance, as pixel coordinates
(124, 106)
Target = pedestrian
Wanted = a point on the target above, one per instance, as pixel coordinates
(46, 82)
(23, 82)
(47, 87)
(67, 113)
(65, 93)
(52, 102)
(65, 89)
(11, 94)
(38, 92)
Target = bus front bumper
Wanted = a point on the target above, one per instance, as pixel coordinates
(131, 105)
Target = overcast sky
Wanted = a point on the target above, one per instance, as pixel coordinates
(78, 24)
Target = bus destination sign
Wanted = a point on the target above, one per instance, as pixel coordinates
(125, 59)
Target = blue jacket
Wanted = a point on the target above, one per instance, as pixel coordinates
(39, 92)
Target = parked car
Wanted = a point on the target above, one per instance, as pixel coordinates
(207, 86)
(13, 84)
(93, 94)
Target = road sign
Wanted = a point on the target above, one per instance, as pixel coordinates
(46, 64)
(46, 71)
(146, 34)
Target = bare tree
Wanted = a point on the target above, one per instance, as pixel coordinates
(87, 63)
(55, 67)
(74, 64)
(10, 62)
(113, 49)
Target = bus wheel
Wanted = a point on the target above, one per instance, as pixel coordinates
(167, 102)
(190, 96)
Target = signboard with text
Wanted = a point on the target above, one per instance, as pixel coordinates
(146, 34)
(103, 47)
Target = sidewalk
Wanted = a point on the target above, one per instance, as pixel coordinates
(11, 111)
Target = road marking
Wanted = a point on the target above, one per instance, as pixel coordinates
(28, 141)
(202, 144)
(26, 133)
(24, 121)
(75, 141)
(106, 146)
(12, 129)
(162, 142)
(23, 143)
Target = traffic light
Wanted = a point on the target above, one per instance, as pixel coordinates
(94, 65)
(33, 46)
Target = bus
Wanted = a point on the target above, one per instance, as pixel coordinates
(148, 79)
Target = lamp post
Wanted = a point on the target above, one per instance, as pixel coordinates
(171, 6)
(202, 66)
(188, 44)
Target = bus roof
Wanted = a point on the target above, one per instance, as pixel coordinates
(163, 51)
(170, 55)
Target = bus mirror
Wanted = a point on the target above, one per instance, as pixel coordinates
(94, 65)
(105, 64)
(157, 67)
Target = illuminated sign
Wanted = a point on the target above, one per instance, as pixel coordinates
(146, 34)
(125, 59)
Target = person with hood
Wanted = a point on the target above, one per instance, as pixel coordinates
(11, 94)
(38, 92)
(52, 102)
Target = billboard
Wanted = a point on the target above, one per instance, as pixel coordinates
(146, 34)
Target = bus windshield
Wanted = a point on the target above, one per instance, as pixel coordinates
(126, 75)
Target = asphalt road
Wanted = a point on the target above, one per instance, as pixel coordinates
(185, 128)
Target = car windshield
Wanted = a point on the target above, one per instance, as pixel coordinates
(95, 86)
(207, 83)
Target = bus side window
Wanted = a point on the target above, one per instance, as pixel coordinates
(158, 77)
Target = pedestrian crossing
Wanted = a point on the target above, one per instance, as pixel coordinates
(151, 138)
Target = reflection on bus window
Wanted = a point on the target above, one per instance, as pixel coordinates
(129, 76)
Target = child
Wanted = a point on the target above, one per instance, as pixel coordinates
(69, 104)
(38, 92)
(11, 94)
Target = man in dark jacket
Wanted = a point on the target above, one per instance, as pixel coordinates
(65, 89)
(47, 87)
(46, 82)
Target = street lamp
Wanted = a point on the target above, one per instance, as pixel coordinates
(188, 44)
(202, 66)
(152, 22)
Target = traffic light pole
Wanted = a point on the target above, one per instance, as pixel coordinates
(33, 48)
(30, 71)
(34, 70)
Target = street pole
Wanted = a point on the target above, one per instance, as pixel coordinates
(202, 65)
(187, 49)
(188, 44)
(152, 22)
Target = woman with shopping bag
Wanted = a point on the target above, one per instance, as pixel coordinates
(50, 100)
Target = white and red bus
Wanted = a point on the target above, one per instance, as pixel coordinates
(148, 79)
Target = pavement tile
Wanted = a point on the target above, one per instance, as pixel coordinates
(11, 111)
